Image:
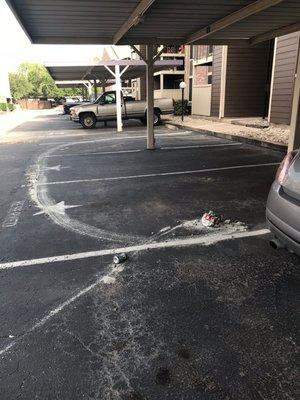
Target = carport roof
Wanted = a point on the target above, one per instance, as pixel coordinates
(98, 70)
(77, 83)
(155, 21)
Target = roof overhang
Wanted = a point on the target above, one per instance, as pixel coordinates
(155, 21)
(101, 69)
(79, 84)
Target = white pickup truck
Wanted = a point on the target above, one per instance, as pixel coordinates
(104, 109)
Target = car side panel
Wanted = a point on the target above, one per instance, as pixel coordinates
(292, 181)
(284, 212)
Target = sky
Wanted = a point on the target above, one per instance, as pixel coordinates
(15, 47)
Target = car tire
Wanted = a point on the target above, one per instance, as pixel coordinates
(156, 119)
(88, 120)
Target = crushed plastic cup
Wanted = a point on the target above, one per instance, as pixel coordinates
(210, 219)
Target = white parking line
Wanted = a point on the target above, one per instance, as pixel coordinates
(200, 146)
(199, 240)
(100, 153)
(197, 171)
(96, 153)
(123, 137)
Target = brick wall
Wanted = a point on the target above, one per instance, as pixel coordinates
(200, 75)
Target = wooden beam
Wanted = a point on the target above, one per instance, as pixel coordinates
(294, 139)
(134, 19)
(230, 19)
(223, 42)
(159, 53)
(223, 82)
(285, 30)
(272, 79)
(138, 52)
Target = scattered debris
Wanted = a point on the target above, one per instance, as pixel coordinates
(119, 258)
(108, 280)
(164, 229)
(210, 219)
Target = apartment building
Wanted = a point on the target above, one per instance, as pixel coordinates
(238, 81)
(166, 82)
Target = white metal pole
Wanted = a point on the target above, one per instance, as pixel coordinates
(95, 89)
(118, 98)
(150, 98)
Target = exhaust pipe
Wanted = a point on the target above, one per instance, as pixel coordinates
(276, 244)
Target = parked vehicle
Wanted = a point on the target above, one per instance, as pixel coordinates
(283, 206)
(104, 109)
(68, 105)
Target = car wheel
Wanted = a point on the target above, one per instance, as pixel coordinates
(156, 118)
(88, 120)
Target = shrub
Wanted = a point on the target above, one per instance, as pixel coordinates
(178, 104)
(5, 106)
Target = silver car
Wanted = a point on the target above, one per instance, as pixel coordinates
(283, 206)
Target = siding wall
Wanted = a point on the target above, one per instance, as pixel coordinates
(284, 75)
(216, 80)
(246, 79)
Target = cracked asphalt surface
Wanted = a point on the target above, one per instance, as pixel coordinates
(209, 322)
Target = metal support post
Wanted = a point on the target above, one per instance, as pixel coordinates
(150, 98)
(118, 98)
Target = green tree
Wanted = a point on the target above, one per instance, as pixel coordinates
(33, 80)
(19, 85)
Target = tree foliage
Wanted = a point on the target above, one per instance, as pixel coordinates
(34, 81)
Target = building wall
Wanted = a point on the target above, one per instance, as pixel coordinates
(246, 81)
(201, 101)
(200, 75)
(284, 76)
(174, 94)
(187, 71)
(216, 80)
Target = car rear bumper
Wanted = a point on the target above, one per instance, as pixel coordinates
(283, 218)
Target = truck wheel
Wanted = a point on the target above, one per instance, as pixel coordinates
(156, 118)
(88, 120)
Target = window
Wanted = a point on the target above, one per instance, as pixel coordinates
(109, 98)
(210, 49)
(209, 79)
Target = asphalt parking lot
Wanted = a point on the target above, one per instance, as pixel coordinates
(194, 313)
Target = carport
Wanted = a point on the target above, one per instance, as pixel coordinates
(164, 22)
(85, 85)
(105, 71)
(194, 312)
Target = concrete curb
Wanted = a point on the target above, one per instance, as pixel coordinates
(244, 139)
